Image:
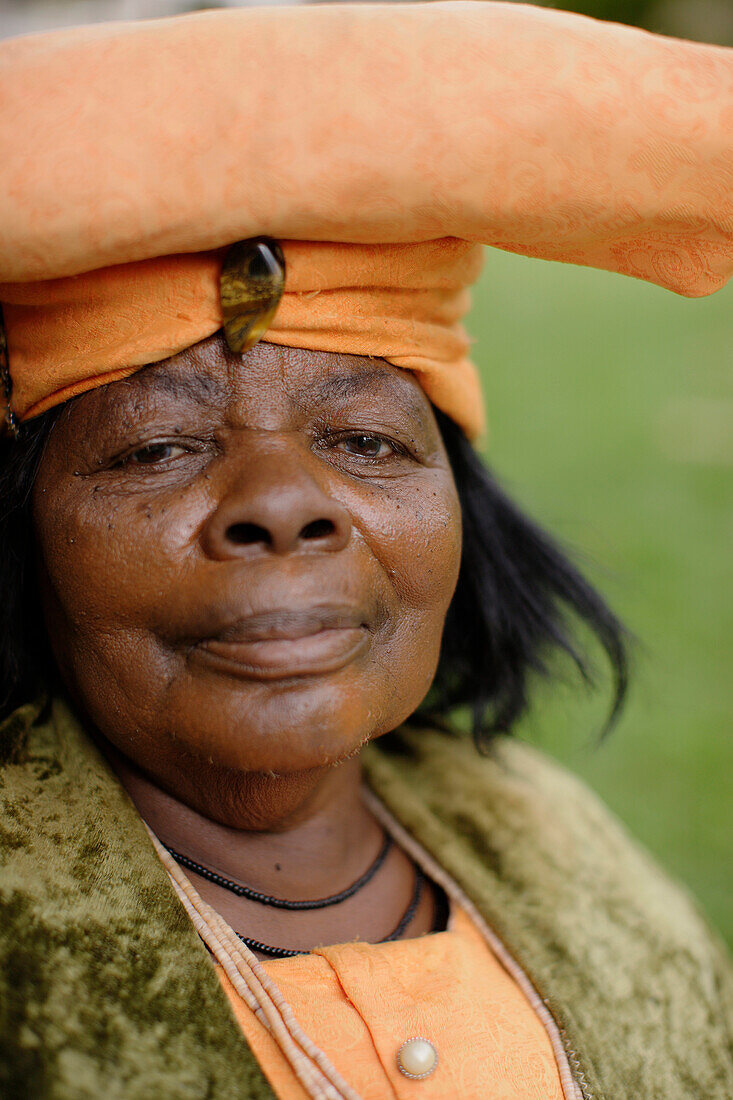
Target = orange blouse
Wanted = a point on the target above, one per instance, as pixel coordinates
(359, 1002)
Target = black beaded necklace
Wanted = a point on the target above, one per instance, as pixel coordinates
(290, 952)
(243, 891)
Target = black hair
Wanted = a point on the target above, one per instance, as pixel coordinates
(516, 599)
(25, 661)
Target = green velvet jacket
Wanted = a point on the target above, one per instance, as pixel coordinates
(107, 992)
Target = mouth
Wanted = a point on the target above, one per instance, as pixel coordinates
(282, 644)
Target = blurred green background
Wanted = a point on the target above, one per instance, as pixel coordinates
(611, 411)
(706, 20)
(611, 421)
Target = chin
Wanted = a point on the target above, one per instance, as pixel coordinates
(292, 727)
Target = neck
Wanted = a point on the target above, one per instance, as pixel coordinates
(299, 837)
(308, 834)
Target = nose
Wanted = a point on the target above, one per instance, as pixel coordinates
(276, 506)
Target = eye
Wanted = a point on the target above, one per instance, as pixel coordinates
(367, 446)
(152, 454)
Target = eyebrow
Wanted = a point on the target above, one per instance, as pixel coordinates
(340, 386)
(204, 389)
(192, 385)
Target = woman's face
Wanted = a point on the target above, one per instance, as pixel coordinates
(248, 562)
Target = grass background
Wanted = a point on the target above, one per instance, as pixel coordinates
(611, 421)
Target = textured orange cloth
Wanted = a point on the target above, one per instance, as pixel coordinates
(360, 1002)
(532, 130)
(400, 302)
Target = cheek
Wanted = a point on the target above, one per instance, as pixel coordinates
(416, 538)
(415, 534)
(105, 563)
(107, 557)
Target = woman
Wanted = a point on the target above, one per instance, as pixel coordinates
(246, 535)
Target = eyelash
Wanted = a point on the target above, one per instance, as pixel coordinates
(396, 449)
(332, 441)
(129, 458)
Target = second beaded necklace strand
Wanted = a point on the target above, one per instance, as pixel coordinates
(241, 890)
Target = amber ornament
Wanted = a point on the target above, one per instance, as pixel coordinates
(252, 283)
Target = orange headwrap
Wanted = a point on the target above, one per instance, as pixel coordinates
(403, 303)
(140, 148)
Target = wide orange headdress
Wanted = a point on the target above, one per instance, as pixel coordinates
(380, 145)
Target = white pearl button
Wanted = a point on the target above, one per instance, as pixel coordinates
(417, 1058)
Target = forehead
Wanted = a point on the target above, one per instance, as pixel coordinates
(268, 381)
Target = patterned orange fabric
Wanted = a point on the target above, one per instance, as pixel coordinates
(360, 1002)
(403, 303)
(532, 130)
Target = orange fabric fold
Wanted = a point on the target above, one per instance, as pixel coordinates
(522, 127)
(403, 303)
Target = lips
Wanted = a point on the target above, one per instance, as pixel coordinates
(284, 642)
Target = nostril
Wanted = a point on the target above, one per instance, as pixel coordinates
(248, 534)
(318, 529)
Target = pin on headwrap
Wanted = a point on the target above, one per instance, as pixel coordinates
(251, 286)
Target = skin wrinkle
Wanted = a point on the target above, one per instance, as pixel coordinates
(197, 386)
(139, 567)
(341, 386)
